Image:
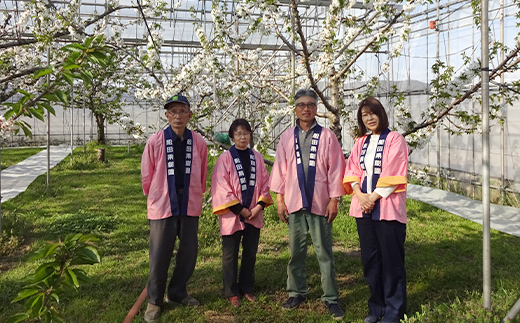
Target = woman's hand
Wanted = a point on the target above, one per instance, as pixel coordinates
(365, 202)
(245, 213)
(255, 211)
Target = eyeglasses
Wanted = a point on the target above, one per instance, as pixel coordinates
(241, 134)
(182, 112)
(304, 105)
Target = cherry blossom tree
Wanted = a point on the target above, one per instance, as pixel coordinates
(228, 71)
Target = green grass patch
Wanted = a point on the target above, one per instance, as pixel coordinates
(443, 254)
(12, 156)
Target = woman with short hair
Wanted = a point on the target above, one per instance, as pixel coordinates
(240, 193)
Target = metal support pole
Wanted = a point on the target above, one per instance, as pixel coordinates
(438, 126)
(48, 177)
(502, 132)
(71, 134)
(486, 239)
(512, 313)
(293, 65)
(1, 187)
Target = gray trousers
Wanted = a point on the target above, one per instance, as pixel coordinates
(163, 234)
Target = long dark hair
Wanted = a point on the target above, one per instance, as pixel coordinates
(374, 106)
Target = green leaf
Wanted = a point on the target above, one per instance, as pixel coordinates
(49, 108)
(24, 293)
(25, 93)
(55, 296)
(73, 277)
(43, 272)
(19, 317)
(82, 276)
(37, 305)
(8, 114)
(17, 108)
(91, 253)
(68, 78)
(62, 96)
(51, 249)
(88, 237)
(87, 74)
(74, 48)
(28, 303)
(93, 60)
(37, 113)
(88, 41)
(87, 256)
(99, 55)
(26, 130)
(38, 254)
(51, 97)
(70, 66)
(99, 38)
(42, 72)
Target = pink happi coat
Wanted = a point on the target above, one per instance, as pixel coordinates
(154, 176)
(330, 165)
(395, 167)
(226, 192)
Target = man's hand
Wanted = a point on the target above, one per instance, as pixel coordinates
(332, 210)
(281, 208)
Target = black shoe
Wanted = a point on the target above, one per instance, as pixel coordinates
(335, 310)
(294, 302)
(371, 319)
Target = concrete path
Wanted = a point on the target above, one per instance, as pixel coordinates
(16, 178)
(503, 218)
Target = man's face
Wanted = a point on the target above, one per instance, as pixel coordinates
(306, 108)
(178, 114)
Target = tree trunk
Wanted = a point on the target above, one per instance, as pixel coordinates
(100, 121)
(333, 114)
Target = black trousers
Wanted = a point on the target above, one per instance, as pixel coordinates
(230, 246)
(382, 254)
(163, 234)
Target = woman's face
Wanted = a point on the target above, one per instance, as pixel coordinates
(370, 120)
(241, 137)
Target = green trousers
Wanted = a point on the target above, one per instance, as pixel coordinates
(300, 223)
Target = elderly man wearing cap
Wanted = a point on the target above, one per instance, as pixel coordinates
(173, 169)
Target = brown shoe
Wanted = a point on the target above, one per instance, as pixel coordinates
(250, 297)
(152, 314)
(235, 301)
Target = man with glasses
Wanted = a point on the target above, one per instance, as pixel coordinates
(173, 169)
(307, 178)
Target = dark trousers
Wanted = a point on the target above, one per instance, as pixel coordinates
(382, 254)
(230, 246)
(163, 234)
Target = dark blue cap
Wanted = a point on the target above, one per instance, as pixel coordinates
(177, 98)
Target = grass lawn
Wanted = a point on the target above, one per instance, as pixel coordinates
(11, 156)
(443, 255)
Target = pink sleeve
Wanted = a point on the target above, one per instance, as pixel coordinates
(147, 166)
(336, 169)
(222, 193)
(265, 196)
(353, 171)
(279, 170)
(395, 163)
(204, 156)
